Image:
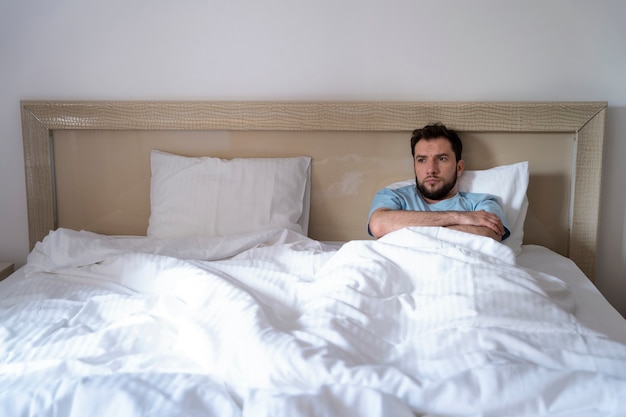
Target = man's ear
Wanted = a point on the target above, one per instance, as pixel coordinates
(460, 167)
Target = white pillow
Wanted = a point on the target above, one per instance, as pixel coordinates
(191, 196)
(507, 182)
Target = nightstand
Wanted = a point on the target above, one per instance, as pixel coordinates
(6, 269)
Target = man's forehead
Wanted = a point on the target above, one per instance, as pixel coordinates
(437, 146)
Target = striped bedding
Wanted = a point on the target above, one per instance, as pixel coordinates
(425, 321)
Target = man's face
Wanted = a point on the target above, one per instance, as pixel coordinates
(436, 169)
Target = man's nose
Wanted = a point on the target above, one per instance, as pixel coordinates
(431, 167)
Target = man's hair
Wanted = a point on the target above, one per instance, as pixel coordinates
(434, 131)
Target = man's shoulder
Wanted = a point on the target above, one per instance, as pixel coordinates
(399, 188)
(401, 185)
(404, 197)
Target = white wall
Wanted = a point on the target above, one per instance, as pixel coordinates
(324, 49)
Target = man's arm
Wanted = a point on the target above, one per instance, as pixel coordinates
(384, 220)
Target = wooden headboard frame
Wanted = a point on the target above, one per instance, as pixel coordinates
(585, 120)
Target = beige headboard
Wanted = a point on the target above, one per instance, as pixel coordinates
(87, 163)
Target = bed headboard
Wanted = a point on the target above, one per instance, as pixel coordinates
(87, 162)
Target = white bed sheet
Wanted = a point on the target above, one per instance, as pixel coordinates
(280, 325)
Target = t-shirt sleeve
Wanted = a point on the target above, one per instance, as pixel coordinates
(385, 198)
(490, 204)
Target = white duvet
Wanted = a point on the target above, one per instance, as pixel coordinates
(426, 321)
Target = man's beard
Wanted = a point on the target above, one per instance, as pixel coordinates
(437, 194)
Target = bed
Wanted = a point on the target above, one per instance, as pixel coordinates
(212, 259)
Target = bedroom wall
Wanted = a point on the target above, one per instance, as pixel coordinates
(323, 50)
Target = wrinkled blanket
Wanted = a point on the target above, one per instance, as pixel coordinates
(425, 321)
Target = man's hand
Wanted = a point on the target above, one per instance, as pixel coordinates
(482, 219)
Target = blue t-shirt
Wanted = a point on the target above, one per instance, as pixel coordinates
(407, 198)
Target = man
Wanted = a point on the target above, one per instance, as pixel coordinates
(436, 200)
